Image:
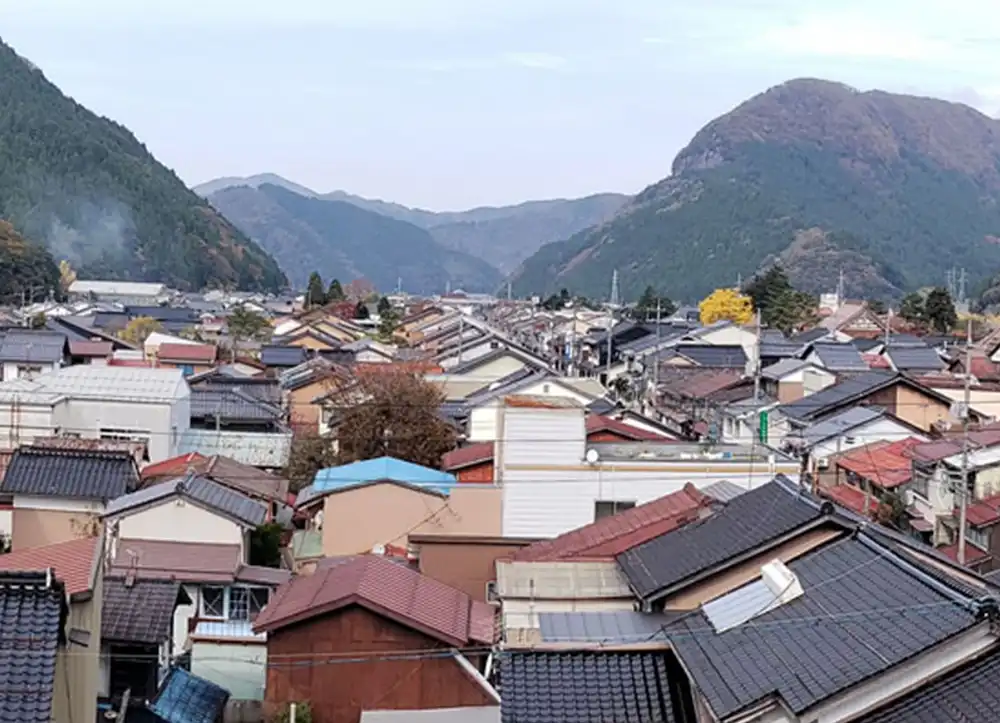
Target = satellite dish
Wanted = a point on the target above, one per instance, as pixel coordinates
(593, 456)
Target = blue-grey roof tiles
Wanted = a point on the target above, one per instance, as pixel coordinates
(70, 473)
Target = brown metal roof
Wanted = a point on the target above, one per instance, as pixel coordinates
(74, 562)
(181, 561)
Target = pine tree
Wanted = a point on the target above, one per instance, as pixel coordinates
(335, 292)
(315, 291)
(361, 311)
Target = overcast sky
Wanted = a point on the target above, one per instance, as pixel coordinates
(447, 104)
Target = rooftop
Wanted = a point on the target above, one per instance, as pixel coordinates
(72, 473)
(30, 346)
(203, 492)
(675, 451)
(751, 520)
(839, 357)
(100, 383)
(138, 611)
(75, 562)
(839, 395)
(467, 456)
(888, 465)
(387, 588)
(186, 698)
(613, 535)
(187, 353)
(914, 358)
(181, 561)
(596, 423)
(225, 471)
(379, 469)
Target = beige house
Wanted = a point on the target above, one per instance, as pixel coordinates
(78, 564)
(59, 494)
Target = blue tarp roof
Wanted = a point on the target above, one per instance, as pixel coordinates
(382, 468)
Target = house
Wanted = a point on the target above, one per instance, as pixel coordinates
(852, 320)
(278, 357)
(837, 358)
(77, 566)
(27, 353)
(471, 463)
(302, 385)
(138, 449)
(60, 494)
(709, 356)
(553, 480)
(878, 471)
(270, 489)
(118, 292)
(310, 338)
(498, 363)
(35, 608)
(137, 634)
(367, 602)
(90, 352)
(901, 396)
(189, 358)
(791, 379)
(465, 562)
(126, 403)
(359, 506)
(914, 359)
(234, 409)
(853, 427)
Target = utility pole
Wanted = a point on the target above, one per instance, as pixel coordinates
(756, 362)
(656, 350)
(888, 328)
(964, 492)
(611, 329)
(572, 346)
(840, 288)
(509, 295)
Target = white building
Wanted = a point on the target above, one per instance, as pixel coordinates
(132, 293)
(125, 403)
(554, 481)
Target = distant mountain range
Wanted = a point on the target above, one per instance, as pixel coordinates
(502, 236)
(891, 189)
(86, 188)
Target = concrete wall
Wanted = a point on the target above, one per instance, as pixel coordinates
(40, 521)
(240, 668)
(177, 520)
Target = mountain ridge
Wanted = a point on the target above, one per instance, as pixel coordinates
(501, 235)
(93, 193)
(876, 178)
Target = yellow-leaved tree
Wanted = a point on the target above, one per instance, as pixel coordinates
(66, 275)
(138, 329)
(726, 305)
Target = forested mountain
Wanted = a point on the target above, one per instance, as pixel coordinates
(95, 196)
(27, 271)
(502, 236)
(343, 241)
(894, 189)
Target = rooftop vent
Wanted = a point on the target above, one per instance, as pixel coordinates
(777, 586)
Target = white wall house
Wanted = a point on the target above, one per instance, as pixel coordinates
(484, 420)
(125, 403)
(554, 481)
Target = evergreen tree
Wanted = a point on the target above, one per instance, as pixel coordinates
(361, 310)
(912, 307)
(315, 292)
(939, 310)
(384, 306)
(335, 292)
(646, 307)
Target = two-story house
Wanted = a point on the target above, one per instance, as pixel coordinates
(27, 353)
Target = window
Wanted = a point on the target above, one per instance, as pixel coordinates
(125, 435)
(213, 602)
(979, 538)
(607, 508)
(921, 480)
(28, 372)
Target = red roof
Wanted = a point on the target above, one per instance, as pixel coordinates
(887, 465)
(611, 536)
(173, 467)
(74, 562)
(129, 363)
(183, 561)
(387, 588)
(467, 456)
(876, 361)
(90, 348)
(600, 423)
(973, 554)
(852, 498)
(203, 353)
(983, 512)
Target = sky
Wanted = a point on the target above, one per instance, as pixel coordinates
(449, 104)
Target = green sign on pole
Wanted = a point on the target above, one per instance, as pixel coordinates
(762, 426)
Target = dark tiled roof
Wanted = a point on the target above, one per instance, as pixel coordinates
(713, 356)
(163, 313)
(840, 357)
(231, 405)
(228, 472)
(28, 346)
(749, 521)
(209, 494)
(186, 698)
(76, 473)
(139, 611)
(32, 615)
(391, 589)
(915, 358)
(615, 534)
(273, 355)
(861, 613)
(970, 694)
(833, 397)
(561, 687)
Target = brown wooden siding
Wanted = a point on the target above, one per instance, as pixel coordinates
(476, 473)
(339, 692)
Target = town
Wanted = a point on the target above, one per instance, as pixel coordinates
(342, 506)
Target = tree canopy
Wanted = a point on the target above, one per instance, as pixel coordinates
(138, 330)
(939, 310)
(315, 291)
(335, 292)
(726, 305)
(245, 324)
(650, 302)
(780, 304)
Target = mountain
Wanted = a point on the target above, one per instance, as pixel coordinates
(502, 235)
(341, 240)
(893, 189)
(95, 196)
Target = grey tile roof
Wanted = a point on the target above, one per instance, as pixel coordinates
(779, 350)
(209, 494)
(748, 521)
(839, 423)
(915, 358)
(73, 473)
(861, 612)
(970, 694)
(714, 357)
(807, 337)
(782, 368)
(32, 615)
(273, 355)
(723, 490)
(27, 346)
(140, 611)
(840, 357)
(622, 627)
(827, 400)
(560, 687)
(231, 405)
